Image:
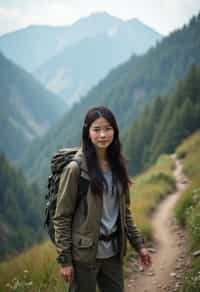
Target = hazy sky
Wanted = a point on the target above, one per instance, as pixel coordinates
(162, 15)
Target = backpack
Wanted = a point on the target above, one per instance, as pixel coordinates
(59, 160)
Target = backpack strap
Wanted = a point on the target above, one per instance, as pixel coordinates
(83, 186)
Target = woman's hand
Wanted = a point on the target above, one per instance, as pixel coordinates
(145, 257)
(67, 273)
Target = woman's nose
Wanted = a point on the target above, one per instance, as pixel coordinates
(102, 133)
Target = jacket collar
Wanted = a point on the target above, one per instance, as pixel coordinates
(80, 155)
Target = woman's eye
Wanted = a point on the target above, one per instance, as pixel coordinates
(105, 129)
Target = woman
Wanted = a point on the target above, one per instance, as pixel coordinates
(91, 237)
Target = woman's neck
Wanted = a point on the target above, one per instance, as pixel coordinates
(101, 154)
(103, 161)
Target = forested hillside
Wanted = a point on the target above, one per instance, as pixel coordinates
(126, 90)
(165, 124)
(27, 109)
(20, 210)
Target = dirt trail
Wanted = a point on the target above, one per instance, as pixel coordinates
(169, 258)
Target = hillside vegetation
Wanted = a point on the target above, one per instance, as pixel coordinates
(27, 109)
(188, 207)
(20, 210)
(163, 125)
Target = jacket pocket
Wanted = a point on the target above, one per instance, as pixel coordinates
(82, 241)
(83, 249)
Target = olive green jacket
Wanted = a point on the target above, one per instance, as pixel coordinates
(77, 232)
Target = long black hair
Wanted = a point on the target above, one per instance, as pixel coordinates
(114, 156)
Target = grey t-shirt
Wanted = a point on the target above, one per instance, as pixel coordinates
(110, 212)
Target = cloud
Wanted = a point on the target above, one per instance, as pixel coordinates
(37, 12)
(8, 13)
(163, 16)
(50, 12)
(9, 19)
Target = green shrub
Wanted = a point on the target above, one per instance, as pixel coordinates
(192, 279)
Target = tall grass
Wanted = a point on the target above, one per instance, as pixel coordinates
(149, 189)
(188, 207)
(34, 270)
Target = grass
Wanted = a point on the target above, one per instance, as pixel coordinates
(188, 207)
(35, 270)
(149, 189)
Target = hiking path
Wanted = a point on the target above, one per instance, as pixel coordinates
(169, 255)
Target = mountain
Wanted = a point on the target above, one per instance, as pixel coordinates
(78, 67)
(20, 215)
(126, 90)
(27, 109)
(37, 44)
(164, 124)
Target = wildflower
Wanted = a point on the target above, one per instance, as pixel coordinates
(16, 285)
(29, 283)
(8, 285)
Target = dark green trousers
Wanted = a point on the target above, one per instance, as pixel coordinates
(106, 274)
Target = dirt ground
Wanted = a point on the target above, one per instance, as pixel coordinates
(170, 253)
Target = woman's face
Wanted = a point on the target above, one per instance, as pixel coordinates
(101, 133)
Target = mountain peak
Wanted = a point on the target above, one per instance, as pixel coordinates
(134, 21)
(100, 16)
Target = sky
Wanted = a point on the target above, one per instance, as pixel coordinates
(162, 15)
